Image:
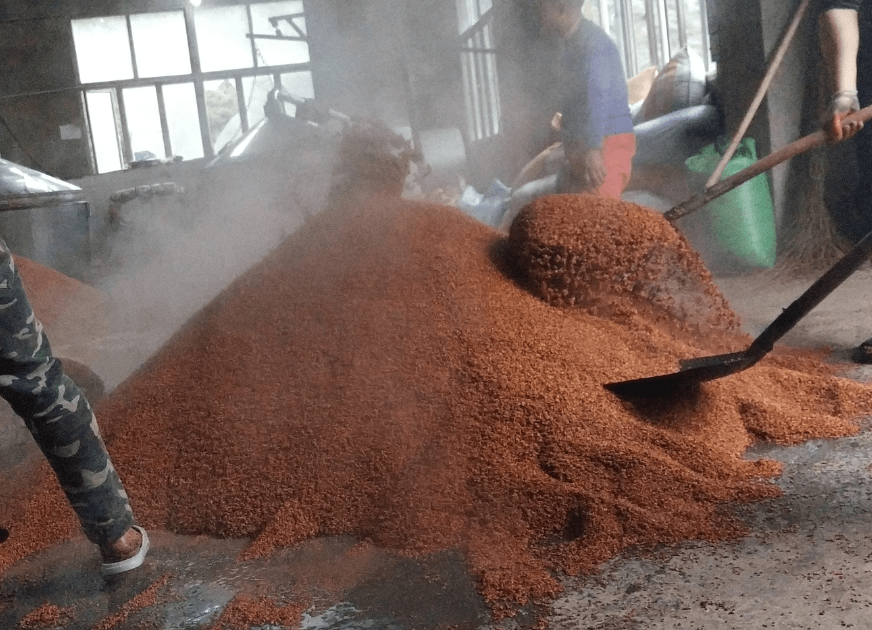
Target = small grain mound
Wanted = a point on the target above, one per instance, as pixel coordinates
(144, 599)
(48, 616)
(589, 251)
(380, 375)
(245, 612)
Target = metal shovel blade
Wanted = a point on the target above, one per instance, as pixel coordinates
(694, 371)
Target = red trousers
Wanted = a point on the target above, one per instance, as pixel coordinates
(618, 152)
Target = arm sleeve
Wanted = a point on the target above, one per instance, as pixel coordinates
(597, 105)
(826, 5)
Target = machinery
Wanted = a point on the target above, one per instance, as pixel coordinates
(44, 218)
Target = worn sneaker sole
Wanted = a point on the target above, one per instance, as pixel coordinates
(113, 568)
(863, 352)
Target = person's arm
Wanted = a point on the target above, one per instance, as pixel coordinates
(840, 41)
(587, 164)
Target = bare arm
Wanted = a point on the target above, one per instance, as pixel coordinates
(587, 165)
(840, 41)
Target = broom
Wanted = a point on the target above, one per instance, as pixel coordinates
(814, 242)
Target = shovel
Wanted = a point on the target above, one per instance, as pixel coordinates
(762, 165)
(695, 371)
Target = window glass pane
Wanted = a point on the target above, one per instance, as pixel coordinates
(255, 90)
(221, 107)
(104, 131)
(298, 84)
(161, 44)
(183, 121)
(143, 121)
(465, 15)
(470, 11)
(222, 38)
(279, 52)
(102, 49)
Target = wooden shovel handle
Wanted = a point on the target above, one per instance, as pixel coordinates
(762, 165)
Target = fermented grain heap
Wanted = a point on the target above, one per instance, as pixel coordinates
(598, 253)
(381, 374)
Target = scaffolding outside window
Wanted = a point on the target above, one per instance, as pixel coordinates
(185, 82)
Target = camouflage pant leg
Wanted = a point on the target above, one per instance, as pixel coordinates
(57, 414)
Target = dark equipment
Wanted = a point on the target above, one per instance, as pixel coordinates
(695, 371)
(4, 534)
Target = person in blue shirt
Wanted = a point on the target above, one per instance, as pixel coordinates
(595, 126)
(596, 129)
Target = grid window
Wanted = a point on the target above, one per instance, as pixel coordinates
(147, 95)
(222, 37)
(160, 43)
(143, 120)
(650, 32)
(277, 52)
(105, 128)
(183, 120)
(478, 62)
(103, 49)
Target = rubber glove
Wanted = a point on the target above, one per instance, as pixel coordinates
(842, 104)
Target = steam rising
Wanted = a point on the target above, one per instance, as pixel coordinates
(170, 256)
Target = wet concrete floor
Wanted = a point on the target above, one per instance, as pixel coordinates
(341, 584)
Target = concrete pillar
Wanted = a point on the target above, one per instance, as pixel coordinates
(745, 35)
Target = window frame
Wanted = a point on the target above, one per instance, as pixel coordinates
(481, 88)
(197, 76)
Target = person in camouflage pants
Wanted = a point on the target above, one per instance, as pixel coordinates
(64, 426)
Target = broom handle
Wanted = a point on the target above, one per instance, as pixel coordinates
(761, 92)
(762, 165)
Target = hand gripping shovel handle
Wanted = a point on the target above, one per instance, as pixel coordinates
(762, 165)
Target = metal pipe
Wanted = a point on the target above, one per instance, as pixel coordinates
(663, 33)
(681, 18)
(628, 24)
(127, 146)
(651, 21)
(604, 16)
(241, 104)
(704, 31)
(164, 125)
(199, 88)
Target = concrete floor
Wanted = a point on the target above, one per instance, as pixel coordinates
(806, 564)
(808, 560)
